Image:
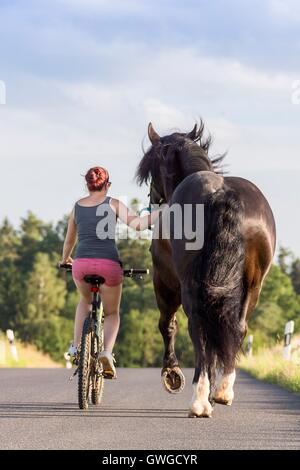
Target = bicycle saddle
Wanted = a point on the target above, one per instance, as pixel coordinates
(94, 279)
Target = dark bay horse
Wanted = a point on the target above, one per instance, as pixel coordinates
(218, 284)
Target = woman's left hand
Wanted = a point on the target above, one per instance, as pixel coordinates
(68, 260)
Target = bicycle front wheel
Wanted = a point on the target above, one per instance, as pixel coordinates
(84, 368)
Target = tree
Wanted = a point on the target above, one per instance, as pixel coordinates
(9, 242)
(139, 343)
(31, 235)
(10, 294)
(278, 304)
(284, 257)
(44, 298)
(39, 303)
(183, 346)
(295, 275)
(10, 278)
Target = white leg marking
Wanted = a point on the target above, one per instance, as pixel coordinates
(224, 393)
(200, 405)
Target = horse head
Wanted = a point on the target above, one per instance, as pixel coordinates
(171, 158)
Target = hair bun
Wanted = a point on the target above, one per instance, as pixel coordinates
(96, 178)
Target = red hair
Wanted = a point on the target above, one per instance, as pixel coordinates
(96, 178)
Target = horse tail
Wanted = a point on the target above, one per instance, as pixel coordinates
(215, 280)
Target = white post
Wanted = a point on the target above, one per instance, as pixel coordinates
(2, 352)
(249, 346)
(11, 338)
(287, 348)
(68, 362)
(2, 92)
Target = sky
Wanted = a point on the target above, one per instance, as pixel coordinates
(82, 78)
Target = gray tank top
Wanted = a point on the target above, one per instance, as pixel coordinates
(96, 228)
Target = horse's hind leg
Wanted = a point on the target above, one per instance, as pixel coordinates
(168, 302)
(200, 406)
(224, 393)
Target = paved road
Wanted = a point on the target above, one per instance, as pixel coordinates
(38, 410)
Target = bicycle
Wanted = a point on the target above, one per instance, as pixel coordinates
(90, 373)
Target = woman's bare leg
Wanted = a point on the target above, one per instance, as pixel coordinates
(111, 298)
(82, 310)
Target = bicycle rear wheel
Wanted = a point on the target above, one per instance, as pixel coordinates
(98, 379)
(84, 368)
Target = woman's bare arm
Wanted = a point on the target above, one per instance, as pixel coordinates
(70, 240)
(132, 220)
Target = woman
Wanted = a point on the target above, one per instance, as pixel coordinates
(93, 221)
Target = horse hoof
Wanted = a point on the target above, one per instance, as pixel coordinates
(173, 379)
(193, 415)
(200, 410)
(223, 397)
(223, 401)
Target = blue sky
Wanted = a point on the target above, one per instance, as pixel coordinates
(84, 77)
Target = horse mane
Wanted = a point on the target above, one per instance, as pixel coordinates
(193, 148)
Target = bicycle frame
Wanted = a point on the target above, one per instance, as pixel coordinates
(97, 312)
(89, 369)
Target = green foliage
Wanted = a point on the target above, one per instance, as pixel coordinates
(45, 292)
(53, 335)
(139, 344)
(184, 346)
(278, 304)
(284, 257)
(295, 275)
(39, 302)
(11, 283)
(9, 242)
(32, 295)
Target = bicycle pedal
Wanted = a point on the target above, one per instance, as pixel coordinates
(76, 360)
(73, 375)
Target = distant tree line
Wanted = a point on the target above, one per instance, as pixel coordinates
(38, 302)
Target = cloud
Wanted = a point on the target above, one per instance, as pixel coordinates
(285, 10)
(172, 89)
(84, 78)
(117, 7)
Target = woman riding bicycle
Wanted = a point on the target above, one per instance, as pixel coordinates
(93, 222)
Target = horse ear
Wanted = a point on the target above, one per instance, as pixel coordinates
(192, 135)
(152, 134)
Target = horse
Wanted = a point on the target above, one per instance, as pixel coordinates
(218, 284)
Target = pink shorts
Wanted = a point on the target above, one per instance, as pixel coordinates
(107, 268)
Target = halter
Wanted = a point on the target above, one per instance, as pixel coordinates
(157, 194)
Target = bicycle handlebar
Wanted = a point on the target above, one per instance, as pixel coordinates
(135, 272)
(67, 267)
(127, 272)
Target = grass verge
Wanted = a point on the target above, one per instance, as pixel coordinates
(28, 355)
(269, 365)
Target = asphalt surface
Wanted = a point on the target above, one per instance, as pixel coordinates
(38, 410)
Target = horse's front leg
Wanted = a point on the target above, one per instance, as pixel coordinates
(168, 302)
